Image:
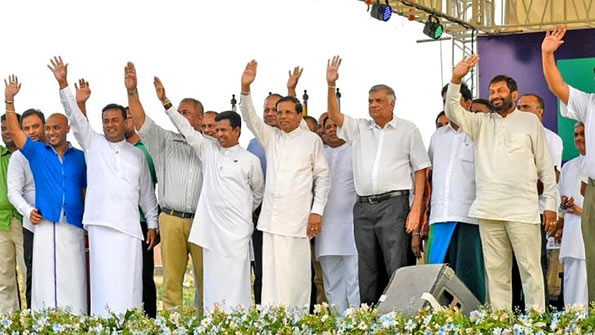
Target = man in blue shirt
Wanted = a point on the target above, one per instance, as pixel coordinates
(59, 170)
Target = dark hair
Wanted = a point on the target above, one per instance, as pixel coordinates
(540, 101)
(296, 102)
(464, 90)
(114, 106)
(308, 117)
(235, 120)
(3, 117)
(510, 83)
(439, 115)
(484, 102)
(33, 111)
(197, 104)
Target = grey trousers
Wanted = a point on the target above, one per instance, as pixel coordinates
(382, 243)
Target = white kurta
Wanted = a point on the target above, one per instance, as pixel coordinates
(232, 188)
(554, 143)
(572, 249)
(58, 257)
(297, 185)
(118, 180)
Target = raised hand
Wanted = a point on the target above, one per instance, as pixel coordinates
(159, 89)
(130, 77)
(294, 77)
(463, 68)
(553, 40)
(83, 91)
(249, 75)
(60, 71)
(332, 70)
(12, 87)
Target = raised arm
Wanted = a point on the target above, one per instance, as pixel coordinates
(136, 108)
(292, 82)
(551, 43)
(469, 122)
(256, 125)
(12, 122)
(82, 129)
(83, 92)
(332, 74)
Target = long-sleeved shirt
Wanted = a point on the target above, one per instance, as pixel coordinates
(554, 144)
(297, 174)
(7, 210)
(384, 159)
(336, 236)
(256, 148)
(570, 186)
(178, 168)
(118, 177)
(233, 185)
(21, 187)
(453, 175)
(581, 107)
(511, 154)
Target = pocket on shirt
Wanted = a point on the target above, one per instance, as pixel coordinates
(467, 153)
(518, 143)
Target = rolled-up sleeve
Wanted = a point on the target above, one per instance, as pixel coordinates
(349, 130)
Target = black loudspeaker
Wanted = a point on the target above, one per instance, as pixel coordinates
(407, 284)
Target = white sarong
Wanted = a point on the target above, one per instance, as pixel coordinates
(341, 284)
(226, 281)
(59, 277)
(286, 270)
(116, 270)
(575, 281)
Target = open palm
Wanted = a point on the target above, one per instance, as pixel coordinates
(12, 87)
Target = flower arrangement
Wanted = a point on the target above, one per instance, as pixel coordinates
(284, 321)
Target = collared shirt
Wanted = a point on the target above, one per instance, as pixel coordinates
(581, 107)
(21, 187)
(297, 173)
(178, 168)
(7, 211)
(119, 177)
(336, 236)
(145, 151)
(554, 144)
(59, 182)
(256, 148)
(570, 186)
(511, 154)
(384, 159)
(233, 186)
(453, 175)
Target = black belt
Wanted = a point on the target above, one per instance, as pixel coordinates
(179, 214)
(374, 199)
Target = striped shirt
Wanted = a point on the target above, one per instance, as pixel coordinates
(179, 171)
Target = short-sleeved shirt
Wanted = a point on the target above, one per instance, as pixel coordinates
(59, 182)
(384, 158)
(581, 107)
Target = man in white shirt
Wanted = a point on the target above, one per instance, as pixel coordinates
(572, 248)
(511, 155)
(295, 195)
(533, 103)
(232, 188)
(454, 236)
(335, 246)
(21, 187)
(387, 152)
(579, 106)
(118, 182)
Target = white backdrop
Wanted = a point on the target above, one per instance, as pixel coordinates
(199, 49)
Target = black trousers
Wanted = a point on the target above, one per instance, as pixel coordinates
(382, 243)
(28, 251)
(149, 289)
(257, 263)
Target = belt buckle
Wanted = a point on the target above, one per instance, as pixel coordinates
(372, 200)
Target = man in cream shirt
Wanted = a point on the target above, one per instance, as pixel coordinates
(511, 155)
(295, 195)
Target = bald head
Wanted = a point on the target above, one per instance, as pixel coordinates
(56, 129)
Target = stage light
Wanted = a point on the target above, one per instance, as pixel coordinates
(380, 11)
(433, 28)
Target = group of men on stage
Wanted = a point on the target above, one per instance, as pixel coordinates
(356, 185)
